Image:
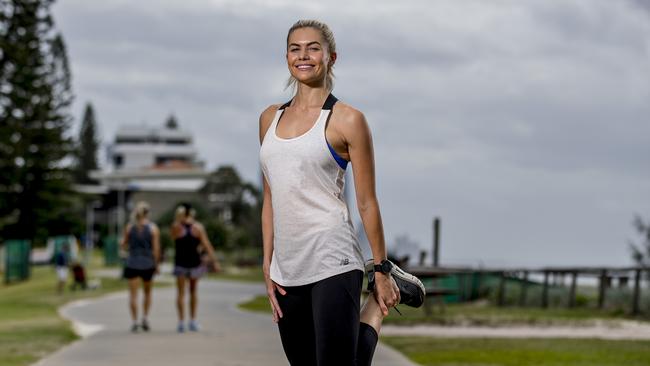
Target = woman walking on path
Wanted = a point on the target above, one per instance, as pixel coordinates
(190, 240)
(142, 241)
(312, 259)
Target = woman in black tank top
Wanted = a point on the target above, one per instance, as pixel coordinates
(190, 241)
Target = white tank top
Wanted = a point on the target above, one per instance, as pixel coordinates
(313, 236)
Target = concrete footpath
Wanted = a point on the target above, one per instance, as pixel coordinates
(228, 336)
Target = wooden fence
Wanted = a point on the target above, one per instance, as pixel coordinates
(551, 275)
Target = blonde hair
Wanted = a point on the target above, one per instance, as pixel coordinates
(328, 37)
(140, 211)
(182, 212)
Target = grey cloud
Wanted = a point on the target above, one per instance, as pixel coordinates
(504, 118)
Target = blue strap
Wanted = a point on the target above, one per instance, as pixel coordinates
(342, 162)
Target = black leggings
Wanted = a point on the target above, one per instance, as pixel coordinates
(320, 324)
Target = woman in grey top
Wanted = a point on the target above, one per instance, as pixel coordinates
(142, 242)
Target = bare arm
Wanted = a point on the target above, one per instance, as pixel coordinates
(267, 229)
(207, 245)
(267, 210)
(155, 242)
(124, 243)
(359, 142)
(267, 225)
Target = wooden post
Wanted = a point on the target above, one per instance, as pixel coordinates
(461, 286)
(501, 299)
(637, 292)
(524, 290)
(622, 281)
(572, 290)
(436, 241)
(423, 256)
(545, 290)
(601, 289)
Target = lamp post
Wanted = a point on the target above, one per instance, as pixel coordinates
(90, 223)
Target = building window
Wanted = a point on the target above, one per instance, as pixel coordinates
(161, 160)
(118, 161)
(130, 140)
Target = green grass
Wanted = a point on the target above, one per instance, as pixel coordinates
(30, 326)
(520, 352)
(505, 352)
(245, 274)
(483, 314)
(480, 315)
(258, 304)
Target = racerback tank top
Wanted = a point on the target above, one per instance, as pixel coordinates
(187, 249)
(140, 248)
(313, 235)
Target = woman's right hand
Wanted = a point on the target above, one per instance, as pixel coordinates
(271, 287)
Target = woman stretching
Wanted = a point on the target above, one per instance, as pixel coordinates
(312, 259)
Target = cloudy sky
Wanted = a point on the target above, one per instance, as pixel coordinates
(524, 125)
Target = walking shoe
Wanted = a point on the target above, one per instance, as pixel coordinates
(180, 328)
(145, 325)
(411, 289)
(193, 326)
(134, 328)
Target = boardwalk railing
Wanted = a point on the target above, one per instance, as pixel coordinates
(551, 277)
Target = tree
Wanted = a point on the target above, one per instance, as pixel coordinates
(237, 202)
(86, 149)
(35, 94)
(171, 123)
(641, 251)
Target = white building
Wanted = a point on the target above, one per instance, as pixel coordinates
(138, 147)
(155, 164)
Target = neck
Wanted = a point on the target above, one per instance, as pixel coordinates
(309, 96)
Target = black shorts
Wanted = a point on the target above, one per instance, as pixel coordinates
(145, 274)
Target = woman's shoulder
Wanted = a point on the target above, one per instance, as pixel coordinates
(266, 117)
(196, 225)
(269, 112)
(347, 116)
(152, 226)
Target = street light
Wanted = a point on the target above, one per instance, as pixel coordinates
(90, 223)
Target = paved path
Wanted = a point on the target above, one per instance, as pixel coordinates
(228, 337)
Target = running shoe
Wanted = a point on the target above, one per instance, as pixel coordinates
(180, 328)
(134, 328)
(193, 326)
(411, 289)
(145, 325)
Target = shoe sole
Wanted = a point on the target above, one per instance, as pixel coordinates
(400, 274)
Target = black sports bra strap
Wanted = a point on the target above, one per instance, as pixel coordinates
(328, 105)
(329, 102)
(285, 105)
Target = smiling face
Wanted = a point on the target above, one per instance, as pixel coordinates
(308, 58)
